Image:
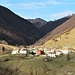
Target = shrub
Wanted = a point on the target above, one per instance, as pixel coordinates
(7, 71)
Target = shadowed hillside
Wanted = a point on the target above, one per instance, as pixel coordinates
(16, 30)
(49, 26)
(66, 26)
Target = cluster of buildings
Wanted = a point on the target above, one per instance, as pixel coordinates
(43, 51)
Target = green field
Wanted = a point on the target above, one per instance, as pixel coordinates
(38, 65)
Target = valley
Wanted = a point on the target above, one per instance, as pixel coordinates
(36, 46)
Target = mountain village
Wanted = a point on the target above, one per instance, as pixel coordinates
(43, 51)
(36, 46)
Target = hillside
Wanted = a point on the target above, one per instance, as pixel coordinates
(49, 26)
(66, 26)
(38, 22)
(67, 39)
(16, 30)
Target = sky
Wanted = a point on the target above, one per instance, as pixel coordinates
(45, 9)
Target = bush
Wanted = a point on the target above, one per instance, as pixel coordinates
(7, 71)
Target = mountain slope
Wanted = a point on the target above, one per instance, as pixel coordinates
(66, 39)
(38, 22)
(16, 30)
(49, 26)
(66, 26)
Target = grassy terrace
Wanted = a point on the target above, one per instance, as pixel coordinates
(38, 65)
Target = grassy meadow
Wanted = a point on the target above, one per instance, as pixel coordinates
(66, 39)
(38, 65)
